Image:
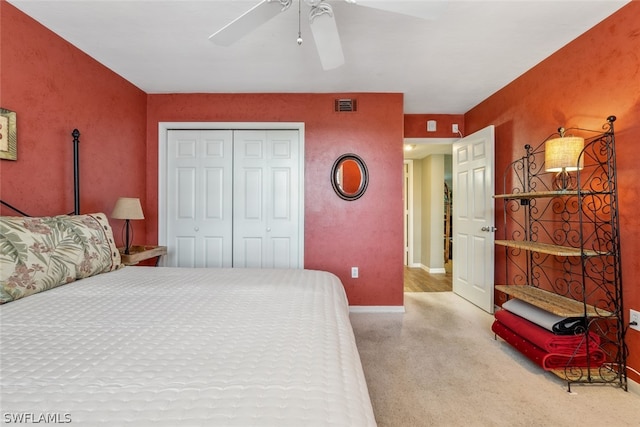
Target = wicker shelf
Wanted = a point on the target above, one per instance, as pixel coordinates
(551, 302)
(546, 248)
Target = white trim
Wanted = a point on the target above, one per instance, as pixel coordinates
(425, 147)
(164, 127)
(425, 140)
(439, 270)
(376, 309)
(408, 180)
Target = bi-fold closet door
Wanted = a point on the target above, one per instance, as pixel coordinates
(233, 198)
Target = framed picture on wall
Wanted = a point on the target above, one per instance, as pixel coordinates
(8, 135)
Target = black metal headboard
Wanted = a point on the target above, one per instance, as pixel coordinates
(76, 179)
(76, 171)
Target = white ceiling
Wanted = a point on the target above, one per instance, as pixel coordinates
(419, 148)
(446, 65)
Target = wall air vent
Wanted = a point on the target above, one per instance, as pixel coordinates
(346, 105)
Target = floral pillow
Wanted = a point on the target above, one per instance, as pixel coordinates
(37, 254)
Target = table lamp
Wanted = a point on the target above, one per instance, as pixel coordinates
(127, 208)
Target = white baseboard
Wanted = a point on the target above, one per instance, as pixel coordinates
(433, 270)
(428, 269)
(376, 309)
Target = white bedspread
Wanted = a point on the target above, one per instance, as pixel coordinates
(150, 346)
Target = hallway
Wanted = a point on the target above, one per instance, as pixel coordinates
(418, 280)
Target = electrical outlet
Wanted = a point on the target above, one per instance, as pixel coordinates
(634, 316)
(354, 272)
(454, 128)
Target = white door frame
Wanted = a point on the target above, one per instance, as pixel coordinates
(163, 129)
(408, 214)
(424, 147)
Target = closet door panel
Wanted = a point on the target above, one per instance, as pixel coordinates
(281, 195)
(249, 202)
(282, 205)
(186, 194)
(266, 195)
(281, 248)
(199, 227)
(185, 250)
(250, 252)
(249, 227)
(214, 193)
(214, 252)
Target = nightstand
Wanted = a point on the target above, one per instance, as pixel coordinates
(141, 253)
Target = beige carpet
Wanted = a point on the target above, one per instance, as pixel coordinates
(439, 365)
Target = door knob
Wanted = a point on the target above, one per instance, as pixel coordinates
(268, 228)
(490, 228)
(196, 228)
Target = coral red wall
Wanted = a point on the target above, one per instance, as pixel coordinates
(338, 234)
(595, 76)
(415, 125)
(53, 87)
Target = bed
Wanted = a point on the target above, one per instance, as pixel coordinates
(102, 344)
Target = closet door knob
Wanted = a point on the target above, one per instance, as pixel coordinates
(268, 228)
(196, 228)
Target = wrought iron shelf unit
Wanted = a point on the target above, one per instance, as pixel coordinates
(562, 248)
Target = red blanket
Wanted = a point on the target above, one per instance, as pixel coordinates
(546, 360)
(545, 339)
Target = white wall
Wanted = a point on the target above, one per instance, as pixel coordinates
(417, 214)
(432, 195)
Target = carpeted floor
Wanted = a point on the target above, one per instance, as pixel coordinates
(439, 365)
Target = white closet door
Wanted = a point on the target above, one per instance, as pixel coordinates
(199, 211)
(266, 199)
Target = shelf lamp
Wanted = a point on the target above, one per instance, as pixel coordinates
(127, 208)
(562, 155)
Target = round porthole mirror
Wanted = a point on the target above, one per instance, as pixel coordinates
(349, 177)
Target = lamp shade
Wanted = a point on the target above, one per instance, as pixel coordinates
(127, 208)
(562, 154)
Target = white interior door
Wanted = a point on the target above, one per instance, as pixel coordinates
(199, 211)
(473, 217)
(265, 199)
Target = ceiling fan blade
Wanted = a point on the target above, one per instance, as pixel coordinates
(325, 34)
(249, 21)
(425, 9)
